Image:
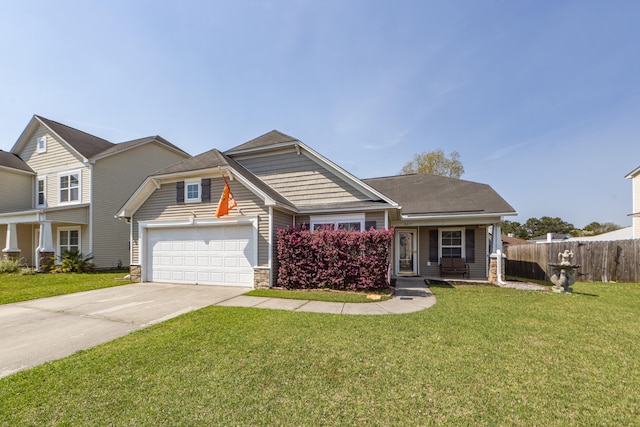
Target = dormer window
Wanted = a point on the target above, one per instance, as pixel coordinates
(41, 143)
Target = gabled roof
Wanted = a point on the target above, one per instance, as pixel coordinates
(633, 173)
(434, 195)
(212, 160)
(276, 140)
(123, 146)
(268, 140)
(12, 161)
(84, 143)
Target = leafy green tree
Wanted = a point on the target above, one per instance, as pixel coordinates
(538, 227)
(515, 228)
(596, 228)
(434, 162)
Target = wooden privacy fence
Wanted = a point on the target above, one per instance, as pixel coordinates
(612, 261)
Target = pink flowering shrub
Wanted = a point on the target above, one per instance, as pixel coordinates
(334, 259)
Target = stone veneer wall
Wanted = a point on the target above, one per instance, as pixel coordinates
(135, 272)
(493, 269)
(261, 278)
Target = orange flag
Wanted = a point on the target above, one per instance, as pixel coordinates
(226, 201)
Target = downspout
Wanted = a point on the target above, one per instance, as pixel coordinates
(499, 267)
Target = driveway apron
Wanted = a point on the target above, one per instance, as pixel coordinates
(42, 330)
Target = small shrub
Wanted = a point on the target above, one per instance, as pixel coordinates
(10, 265)
(74, 261)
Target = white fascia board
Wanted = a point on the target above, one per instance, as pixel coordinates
(153, 182)
(9, 169)
(139, 144)
(21, 217)
(303, 211)
(248, 184)
(368, 190)
(633, 173)
(72, 150)
(451, 219)
(136, 200)
(322, 161)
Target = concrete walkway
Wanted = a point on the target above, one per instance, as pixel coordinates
(38, 331)
(411, 295)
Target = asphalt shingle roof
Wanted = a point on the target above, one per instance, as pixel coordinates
(84, 143)
(268, 139)
(426, 194)
(12, 161)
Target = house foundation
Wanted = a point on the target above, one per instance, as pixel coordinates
(45, 261)
(261, 278)
(135, 272)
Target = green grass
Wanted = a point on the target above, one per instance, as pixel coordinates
(481, 356)
(319, 295)
(16, 287)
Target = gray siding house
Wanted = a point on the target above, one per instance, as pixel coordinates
(277, 182)
(61, 187)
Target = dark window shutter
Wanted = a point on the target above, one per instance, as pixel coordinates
(368, 225)
(180, 192)
(433, 245)
(470, 244)
(205, 187)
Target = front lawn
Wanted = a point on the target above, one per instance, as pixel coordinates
(481, 356)
(17, 287)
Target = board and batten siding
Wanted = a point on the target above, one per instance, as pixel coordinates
(115, 178)
(17, 191)
(300, 179)
(161, 205)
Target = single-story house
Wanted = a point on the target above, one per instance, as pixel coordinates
(276, 182)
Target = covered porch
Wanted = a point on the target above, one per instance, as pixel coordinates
(420, 246)
(37, 237)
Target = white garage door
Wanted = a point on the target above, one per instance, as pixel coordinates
(221, 255)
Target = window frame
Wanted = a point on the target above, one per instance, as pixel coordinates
(60, 247)
(461, 245)
(42, 139)
(188, 199)
(60, 189)
(42, 179)
(336, 220)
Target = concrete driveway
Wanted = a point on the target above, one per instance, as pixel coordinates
(38, 331)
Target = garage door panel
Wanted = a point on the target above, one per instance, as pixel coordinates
(220, 255)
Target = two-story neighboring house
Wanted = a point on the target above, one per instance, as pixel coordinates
(277, 182)
(61, 188)
(634, 176)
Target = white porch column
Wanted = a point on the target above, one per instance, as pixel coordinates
(45, 252)
(46, 237)
(11, 251)
(497, 239)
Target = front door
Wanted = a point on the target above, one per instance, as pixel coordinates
(406, 252)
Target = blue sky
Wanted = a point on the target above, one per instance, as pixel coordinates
(540, 98)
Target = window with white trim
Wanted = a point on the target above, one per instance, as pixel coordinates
(41, 144)
(451, 243)
(68, 239)
(192, 192)
(69, 187)
(353, 222)
(41, 192)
